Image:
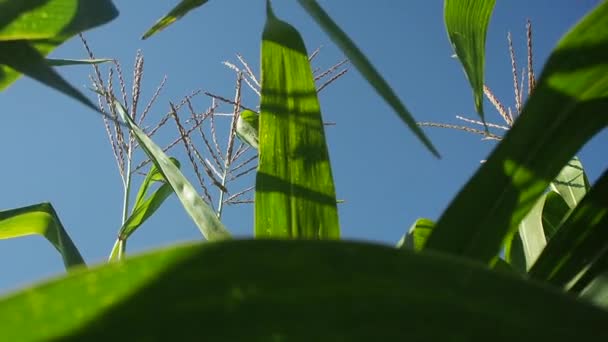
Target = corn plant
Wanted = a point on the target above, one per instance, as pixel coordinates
(295, 281)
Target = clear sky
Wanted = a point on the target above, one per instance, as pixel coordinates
(54, 149)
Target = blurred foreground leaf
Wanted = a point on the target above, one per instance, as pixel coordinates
(366, 293)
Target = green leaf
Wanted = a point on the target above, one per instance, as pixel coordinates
(565, 110)
(31, 29)
(203, 216)
(146, 207)
(40, 219)
(369, 72)
(294, 194)
(247, 128)
(532, 233)
(466, 22)
(554, 212)
(571, 182)
(580, 241)
(68, 62)
(597, 291)
(417, 235)
(241, 291)
(175, 14)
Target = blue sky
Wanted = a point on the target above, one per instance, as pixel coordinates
(56, 150)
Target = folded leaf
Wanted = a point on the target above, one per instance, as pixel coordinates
(417, 235)
(294, 193)
(466, 22)
(40, 219)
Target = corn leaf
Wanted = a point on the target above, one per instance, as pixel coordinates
(40, 219)
(365, 67)
(466, 22)
(366, 293)
(531, 232)
(554, 212)
(203, 216)
(145, 207)
(294, 195)
(417, 235)
(175, 14)
(571, 182)
(580, 241)
(31, 29)
(69, 62)
(567, 109)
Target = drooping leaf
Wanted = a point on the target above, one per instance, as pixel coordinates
(175, 14)
(466, 22)
(145, 207)
(40, 219)
(294, 194)
(240, 290)
(417, 235)
(69, 62)
(203, 216)
(571, 182)
(30, 29)
(365, 67)
(581, 240)
(564, 112)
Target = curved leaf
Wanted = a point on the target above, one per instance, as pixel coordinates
(417, 235)
(571, 182)
(566, 109)
(203, 216)
(294, 192)
(175, 14)
(40, 219)
(581, 240)
(367, 70)
(466, 22)
(554, 212)
(31, 29)
(366, 293)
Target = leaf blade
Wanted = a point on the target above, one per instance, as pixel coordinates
(175, 14)
(365, 67)
(295, 194)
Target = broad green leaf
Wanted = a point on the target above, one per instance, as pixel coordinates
(145, 207)
(175, 14)
(554, 212)
(40, 219)
(365, 67)
(241, 291)
(532, 234)
(203, 216)
(514, 253)
(580, 241)
(31, 29)
(294, 194)
(571, 182)
(466, 22)
(68, 62)
(417, 235)
(566, 109)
